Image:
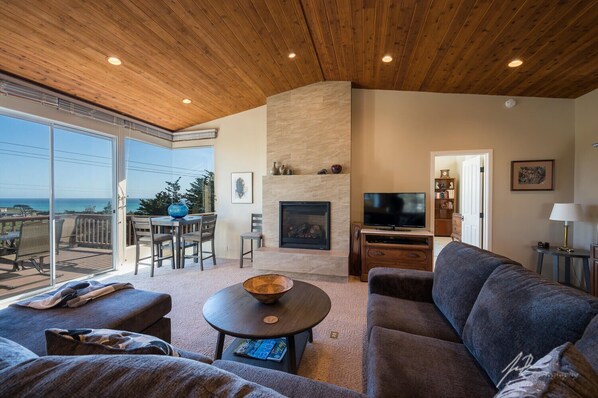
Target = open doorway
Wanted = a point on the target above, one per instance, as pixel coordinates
(461, 197)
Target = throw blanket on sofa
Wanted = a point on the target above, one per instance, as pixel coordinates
(73, 294)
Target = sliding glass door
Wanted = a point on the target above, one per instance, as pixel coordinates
(24, 206)
(56, 204)
(83, 203)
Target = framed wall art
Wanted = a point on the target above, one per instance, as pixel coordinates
(532, 175)
(242, 187)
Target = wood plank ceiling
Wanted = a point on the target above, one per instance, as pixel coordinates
(230, 55)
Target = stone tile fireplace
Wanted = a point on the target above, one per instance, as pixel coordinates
(308, 129)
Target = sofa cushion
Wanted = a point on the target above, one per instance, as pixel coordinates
(459, 274)
(408, 284)
(289, 385)
(129, 376)
(564, 372)
(520, 317)
(128, 309)
(13, 353)
(588, 343)
(104, 341)
(415, 317)
(401, 364)
(111, 342)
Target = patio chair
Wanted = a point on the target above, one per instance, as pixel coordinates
(59, 223)
(145, 235)
(255, 234)
(33, 245)
(199, 237)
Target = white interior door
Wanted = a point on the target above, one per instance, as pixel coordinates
(471, 200)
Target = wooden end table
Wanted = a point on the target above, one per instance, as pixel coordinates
(234, 312)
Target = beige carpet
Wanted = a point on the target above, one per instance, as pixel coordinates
(337, 361)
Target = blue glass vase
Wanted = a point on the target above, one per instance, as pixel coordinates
(178, 210)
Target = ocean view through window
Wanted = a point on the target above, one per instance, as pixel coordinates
(158, 177)
(58, 190)
(45, 241)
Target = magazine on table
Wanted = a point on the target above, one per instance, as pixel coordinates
(266, 349)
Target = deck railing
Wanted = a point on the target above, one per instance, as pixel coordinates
(11, 224)
(86, 230)
(92, 230)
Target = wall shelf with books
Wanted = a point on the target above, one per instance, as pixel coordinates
(445, 201)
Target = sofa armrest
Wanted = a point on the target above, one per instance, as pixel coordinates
(287, 384)
(401, 283)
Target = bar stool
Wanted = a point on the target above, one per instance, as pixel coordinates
(255, 234)
(145, 235)
(205, 231)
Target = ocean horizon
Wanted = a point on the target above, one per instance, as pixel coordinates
(64, 205)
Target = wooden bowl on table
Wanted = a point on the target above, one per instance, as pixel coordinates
(268, 288)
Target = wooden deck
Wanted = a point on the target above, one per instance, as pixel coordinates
(71, 263)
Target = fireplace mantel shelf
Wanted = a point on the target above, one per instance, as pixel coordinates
(308, 175)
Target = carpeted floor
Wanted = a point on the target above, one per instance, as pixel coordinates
(337, 361)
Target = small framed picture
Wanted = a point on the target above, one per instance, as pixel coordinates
(444, 173)
(242, 187)
(532, 175)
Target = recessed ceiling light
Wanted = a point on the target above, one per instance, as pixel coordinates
(515, 63)
(387, 58)
(186, 101)
(292, 55)
(114, 61)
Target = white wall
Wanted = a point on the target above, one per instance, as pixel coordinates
(394, 133)
(586, 168)
(240, 146)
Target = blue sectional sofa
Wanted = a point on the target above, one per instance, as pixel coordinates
(469, 327)
(26, 370)
(450, 333)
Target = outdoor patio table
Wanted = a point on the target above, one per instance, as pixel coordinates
(176, 224)
(7, 240)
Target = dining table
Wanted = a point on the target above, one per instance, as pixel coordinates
(176, 225)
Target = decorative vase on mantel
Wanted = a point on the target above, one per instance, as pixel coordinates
(178, 210)
(274, 170)
(336, 168)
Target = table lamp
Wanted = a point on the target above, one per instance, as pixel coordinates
(566, 212)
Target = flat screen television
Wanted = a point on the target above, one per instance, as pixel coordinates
(395, 210)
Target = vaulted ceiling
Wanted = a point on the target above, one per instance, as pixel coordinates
(230, 55)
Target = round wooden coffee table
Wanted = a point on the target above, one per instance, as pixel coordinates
(234, 312)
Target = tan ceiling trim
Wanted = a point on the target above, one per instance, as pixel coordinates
(194, 135)
(14, 87)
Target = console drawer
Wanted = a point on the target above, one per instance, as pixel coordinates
(396, 249)
(412, 256)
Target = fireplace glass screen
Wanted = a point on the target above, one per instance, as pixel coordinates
(305, 225)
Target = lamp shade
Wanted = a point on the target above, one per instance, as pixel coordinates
(566, 212)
